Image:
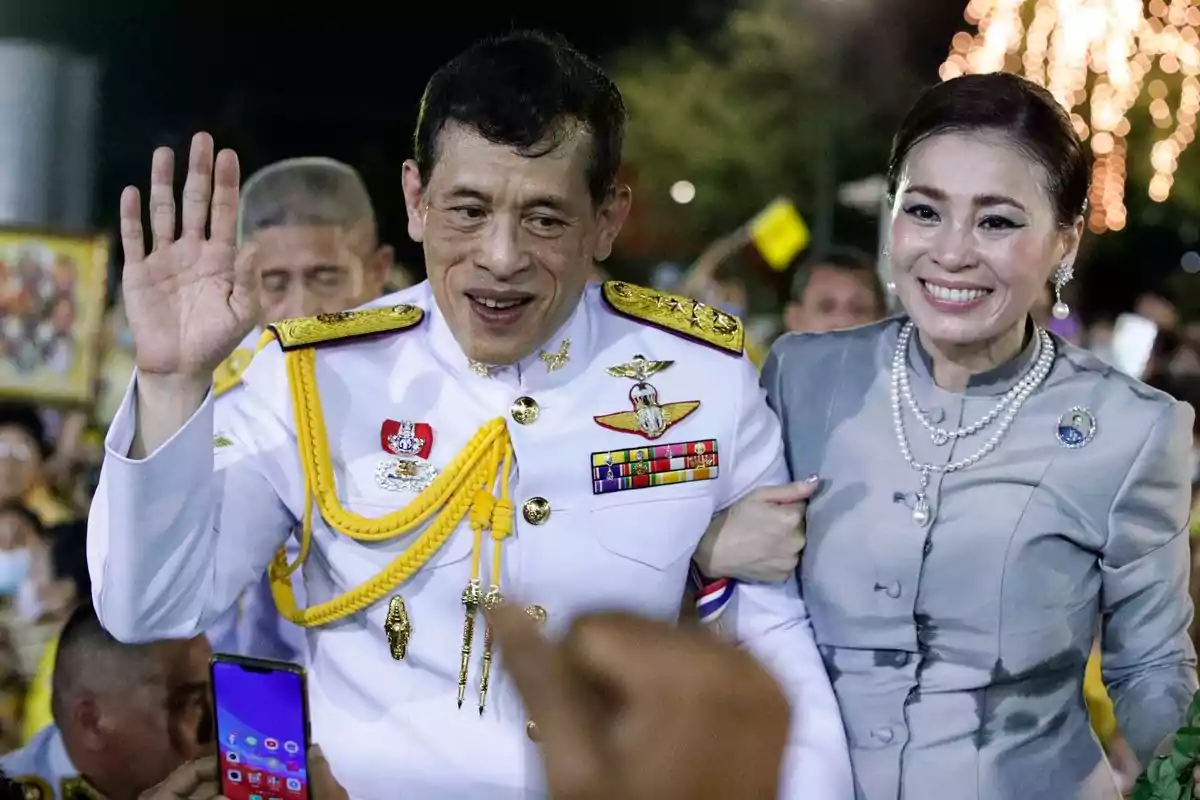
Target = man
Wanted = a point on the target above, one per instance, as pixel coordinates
(391, 437)
(308, 228)
(836, 289)
(125, 715)
(316, 247)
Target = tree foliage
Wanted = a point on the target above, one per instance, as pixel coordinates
(745, 115)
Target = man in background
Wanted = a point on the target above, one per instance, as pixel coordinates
(836, 289)
(316, 244)
(125, 716)
(315, 239)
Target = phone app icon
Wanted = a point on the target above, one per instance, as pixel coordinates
(250, 740)
(291, 747)
(293, 785)
(272, 782)
(255, 778)
(271, 744)
(232, 738)
(256, 797)
(234, 776)
(232, 757)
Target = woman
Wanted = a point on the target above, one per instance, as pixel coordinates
(987, 489)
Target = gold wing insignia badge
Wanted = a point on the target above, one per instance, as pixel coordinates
(682, 316)
(325, 328)
(652, 425)
(639, 369)
(649, 418)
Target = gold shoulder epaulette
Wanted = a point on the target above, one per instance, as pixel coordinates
(324, 328)
(679, 315)
(229, 374)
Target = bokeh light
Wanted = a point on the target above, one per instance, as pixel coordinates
(1098, 57)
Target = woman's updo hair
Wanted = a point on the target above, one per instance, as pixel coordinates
(1010, 105)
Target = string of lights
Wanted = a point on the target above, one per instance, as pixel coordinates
(1098, 58)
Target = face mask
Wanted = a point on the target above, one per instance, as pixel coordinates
(14, 570)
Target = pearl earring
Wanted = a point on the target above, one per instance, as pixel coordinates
(1062, 276)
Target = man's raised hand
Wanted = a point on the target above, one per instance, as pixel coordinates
(194, 296)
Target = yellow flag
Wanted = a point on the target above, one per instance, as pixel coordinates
(779, 233)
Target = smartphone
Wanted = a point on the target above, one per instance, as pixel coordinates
(1133, 343)
(262, 728)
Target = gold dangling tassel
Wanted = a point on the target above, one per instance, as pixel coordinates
(492, 599)
(471, 598)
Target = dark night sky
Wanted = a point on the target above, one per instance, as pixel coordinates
(274, 80)
(342, 80)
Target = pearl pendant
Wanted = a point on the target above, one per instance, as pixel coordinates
(921, 512)
(1061, 310)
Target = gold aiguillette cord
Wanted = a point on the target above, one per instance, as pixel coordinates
(501, 529)
(492, 599)
(471, 598)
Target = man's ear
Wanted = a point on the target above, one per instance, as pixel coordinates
(413, 203)
(611, 218)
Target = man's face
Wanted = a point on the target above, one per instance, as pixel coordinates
(164, 721)
(318, 269)
(833, 299)
(509, 240)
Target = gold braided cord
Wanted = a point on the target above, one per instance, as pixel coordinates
(462, 488)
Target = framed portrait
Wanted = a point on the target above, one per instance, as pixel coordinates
(52, 296)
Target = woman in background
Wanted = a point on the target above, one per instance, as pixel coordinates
(990, 493)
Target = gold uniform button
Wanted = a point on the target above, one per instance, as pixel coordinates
(525, 410)
(536, 613)
(531, 730)
(536, 510)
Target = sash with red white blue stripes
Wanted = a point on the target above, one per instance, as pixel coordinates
(712, 595)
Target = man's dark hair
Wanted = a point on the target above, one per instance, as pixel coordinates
(848, 259)
(527, 90)
(25, 416)
(68, 543)
(89, 656)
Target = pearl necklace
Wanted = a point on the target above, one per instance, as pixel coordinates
(1008, 406)
(941, 436)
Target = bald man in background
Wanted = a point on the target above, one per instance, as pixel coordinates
(315, 241)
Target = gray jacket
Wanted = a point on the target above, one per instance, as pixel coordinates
(957, 651)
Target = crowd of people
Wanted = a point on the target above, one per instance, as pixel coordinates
(940, 527)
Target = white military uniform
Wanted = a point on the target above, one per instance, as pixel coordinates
(176, 537)
(45, 770)
(252, 626)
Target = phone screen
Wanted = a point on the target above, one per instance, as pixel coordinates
(261, 731)
(1133, 344)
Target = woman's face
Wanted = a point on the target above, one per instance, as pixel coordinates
(974, 236)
